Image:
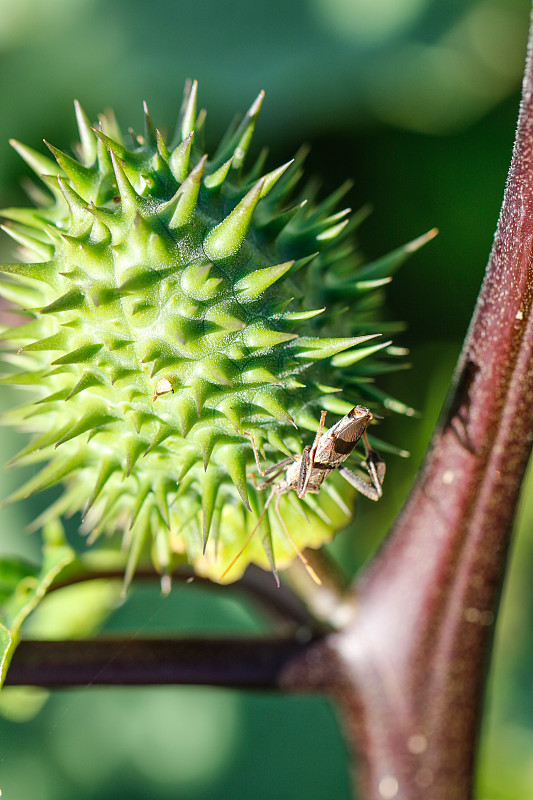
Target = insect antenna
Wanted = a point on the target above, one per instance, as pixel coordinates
(249, 539)
(299, 553)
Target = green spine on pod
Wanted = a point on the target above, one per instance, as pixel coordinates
(175, 303)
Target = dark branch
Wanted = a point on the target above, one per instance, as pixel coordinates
(242, 663)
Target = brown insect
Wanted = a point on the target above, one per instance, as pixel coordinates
(306, 472)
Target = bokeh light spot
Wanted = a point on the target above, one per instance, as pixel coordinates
(369, 22)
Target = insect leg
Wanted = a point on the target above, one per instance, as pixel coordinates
(376, 468)
(369, 490)
(249, 539)
(307, 463)
(280, 466)
(277, 468)
(299, 553)
(374, 464)
(256, 452)
(304, 473)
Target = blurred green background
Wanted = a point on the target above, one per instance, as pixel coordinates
(417, 101)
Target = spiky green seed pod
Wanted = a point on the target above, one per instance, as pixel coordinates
(177, 303)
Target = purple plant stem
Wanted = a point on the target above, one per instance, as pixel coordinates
(251, 663)
(409, 670)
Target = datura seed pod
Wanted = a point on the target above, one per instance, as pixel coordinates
(176, 305)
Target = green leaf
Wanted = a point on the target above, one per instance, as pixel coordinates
(5, 651)
(12, 571)
(29, 591)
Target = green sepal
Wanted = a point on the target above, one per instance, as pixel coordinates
(228, 407)
(331, 202)
(142, 280)
(24, 296)
(52, 398)
(278, 443)
(22, 378)
(162, 148)
(189, 459)
(259, 374)
(335, 405)
(81, 217)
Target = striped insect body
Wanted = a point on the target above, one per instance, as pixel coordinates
(307, 472)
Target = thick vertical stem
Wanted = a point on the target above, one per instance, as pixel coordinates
(408, 670)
